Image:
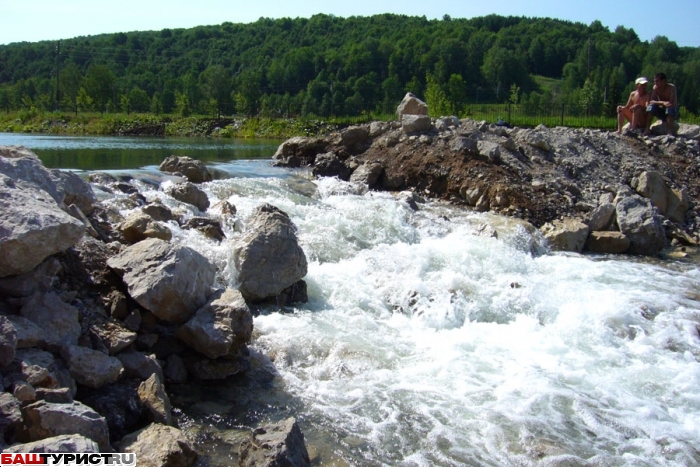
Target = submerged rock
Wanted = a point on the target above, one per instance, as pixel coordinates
(279, 444)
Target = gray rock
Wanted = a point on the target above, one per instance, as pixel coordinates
(139, 226)
(416, 123)
(38, 279)
(194, 170)
(268, 256)
(158, 212)
(154, 398)
(45, 420)
(641, 223)
(32, 227)
(221, 327)
(56, 445)
(29, 334)
(566, 235)
(77, 191)
(26, 169)
(189, 193)
(463, 145)
(534, 138)
(354, 135)
(601, 217)
(651, 185)
(489, 150)
(171, 281)
(280, 444)
(367, 174)
(160, 446)
(411, 105)
(114, 337)
(139, 365)
(58, 319)
(90, 367)
(678, 204)
(329, 165)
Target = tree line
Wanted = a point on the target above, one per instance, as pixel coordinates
(331, 66)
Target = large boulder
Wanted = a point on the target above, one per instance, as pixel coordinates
(330, 165)
(171, 281)
(194, 170)
(139, 226)
(601, 217)
(416, 123)
(45, 420)
(280, 444)
(32, 227)
(368, 174)
(411, 105)
(641, 223)
(189, 193)
(566, 235)
(24, 167)
(221, 327)
(299, 151)
(268, 256)
(160, 446)
(651, 185)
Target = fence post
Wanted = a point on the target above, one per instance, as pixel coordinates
(509, 112)
(562, 114)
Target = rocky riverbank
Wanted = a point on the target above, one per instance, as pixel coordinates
(586, 190)
(100, 314)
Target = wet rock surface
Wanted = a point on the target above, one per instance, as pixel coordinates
(100, 314)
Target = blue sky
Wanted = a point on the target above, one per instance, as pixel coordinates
(36, 20)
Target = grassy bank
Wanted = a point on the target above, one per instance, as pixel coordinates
(60, 123)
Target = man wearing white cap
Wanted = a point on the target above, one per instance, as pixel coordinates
(635, 109)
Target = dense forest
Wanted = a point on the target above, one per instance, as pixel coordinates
(331, 66)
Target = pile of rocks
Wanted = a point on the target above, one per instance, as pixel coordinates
(585, 189)
(99, 313)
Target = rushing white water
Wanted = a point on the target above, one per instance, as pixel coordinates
(428, 342)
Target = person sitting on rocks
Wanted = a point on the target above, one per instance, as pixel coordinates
(663, 104)
(635, 109)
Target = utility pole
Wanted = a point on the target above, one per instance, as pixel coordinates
(58, 74)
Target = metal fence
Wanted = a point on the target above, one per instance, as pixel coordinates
(570, 115)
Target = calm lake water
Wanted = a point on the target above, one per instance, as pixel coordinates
(91, 153)
(425, 343)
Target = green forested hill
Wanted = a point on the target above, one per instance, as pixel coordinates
(328, 65)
